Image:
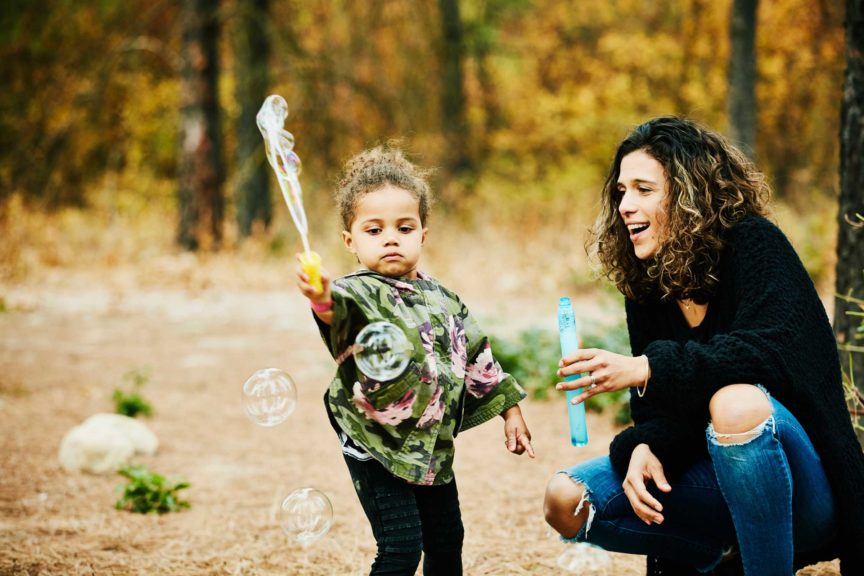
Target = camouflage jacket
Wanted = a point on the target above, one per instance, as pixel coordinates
(451, 383)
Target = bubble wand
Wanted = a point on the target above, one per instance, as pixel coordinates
(569, 336)
(279, 146)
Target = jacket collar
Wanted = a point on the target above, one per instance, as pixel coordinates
(399, 283)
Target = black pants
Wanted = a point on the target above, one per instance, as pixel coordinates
(408, 519)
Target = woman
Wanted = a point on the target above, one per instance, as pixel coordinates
(742, 444)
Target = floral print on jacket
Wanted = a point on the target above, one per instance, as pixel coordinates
(451, 383)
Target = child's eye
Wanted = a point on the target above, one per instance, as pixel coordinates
(406, 229)
(373, 231)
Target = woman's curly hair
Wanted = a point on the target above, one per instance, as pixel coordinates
(711, 186)
(375, 168)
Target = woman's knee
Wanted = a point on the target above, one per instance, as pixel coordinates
(738, 409)
(563, 497)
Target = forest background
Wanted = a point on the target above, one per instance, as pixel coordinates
(142, 231)
(519, 104)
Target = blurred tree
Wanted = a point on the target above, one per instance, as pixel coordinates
(453, 106)
(201, 203)
(798, 125)
(69, 72)
(482, 31)
(356, 73)
(850, 239)
(741, 103)
(251, 58)
(92, 88)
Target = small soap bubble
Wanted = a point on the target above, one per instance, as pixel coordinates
(382, 351)
(269, 397)
(306, 515)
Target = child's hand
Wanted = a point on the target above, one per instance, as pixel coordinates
(518, 437)
(308, 290)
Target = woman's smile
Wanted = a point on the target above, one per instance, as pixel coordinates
(636, 229)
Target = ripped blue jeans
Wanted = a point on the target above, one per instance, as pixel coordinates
(767, 496)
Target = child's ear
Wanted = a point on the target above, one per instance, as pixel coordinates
(348, 241)
(423, 239)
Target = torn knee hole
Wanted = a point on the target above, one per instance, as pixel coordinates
(737, 438)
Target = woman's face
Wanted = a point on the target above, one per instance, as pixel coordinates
(643, 190)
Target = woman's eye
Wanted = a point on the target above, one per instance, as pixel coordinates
(644, 190)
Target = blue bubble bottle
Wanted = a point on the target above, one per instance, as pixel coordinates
(570, 343)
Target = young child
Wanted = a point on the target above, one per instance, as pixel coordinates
(397, 436)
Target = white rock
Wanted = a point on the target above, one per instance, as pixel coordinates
(104, 442)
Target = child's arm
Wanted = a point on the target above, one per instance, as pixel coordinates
(518, 437)
(321, 302)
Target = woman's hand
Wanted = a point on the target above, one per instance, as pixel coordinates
(645, 466)
(517, 437)
(603, 371)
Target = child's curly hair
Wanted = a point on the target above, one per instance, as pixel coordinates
(375, 168)
(711, 187)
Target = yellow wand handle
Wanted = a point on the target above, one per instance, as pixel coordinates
(311, 264)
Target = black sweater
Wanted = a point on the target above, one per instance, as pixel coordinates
(765, 325)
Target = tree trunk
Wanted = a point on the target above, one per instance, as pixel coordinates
(453, 115)
(741, 105)
(201, 170)
(251, 51)
(850, 230)
(484, 45)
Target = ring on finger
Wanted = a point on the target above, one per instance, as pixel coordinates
(593, 382)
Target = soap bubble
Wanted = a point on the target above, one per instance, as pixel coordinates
(382, 351)
(584, 558)
(306, 515)
(269, 397)
(278, 142)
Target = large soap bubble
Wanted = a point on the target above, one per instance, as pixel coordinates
(382, 351)
(269, 397)
(306, 515)
(584, 558)
(278, 142)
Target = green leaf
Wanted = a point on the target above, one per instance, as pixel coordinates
(148, 492)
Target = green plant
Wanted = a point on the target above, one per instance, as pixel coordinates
(148, 492)
(854, 398)
(532, 358)
(130, 402)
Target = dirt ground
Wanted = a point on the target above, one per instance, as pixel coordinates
(64, 347)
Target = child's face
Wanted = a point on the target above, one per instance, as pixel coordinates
(386, 233)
